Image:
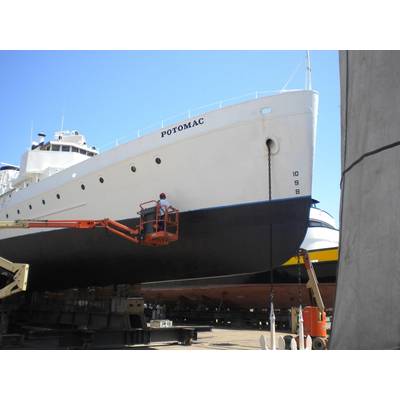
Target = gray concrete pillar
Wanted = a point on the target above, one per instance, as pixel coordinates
(367, 308)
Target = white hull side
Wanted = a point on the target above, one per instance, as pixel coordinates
(218, 163)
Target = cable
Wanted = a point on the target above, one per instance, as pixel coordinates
(271, 295)
(292, 75)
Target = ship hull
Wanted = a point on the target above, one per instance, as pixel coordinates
(215, 241)
(234, 173)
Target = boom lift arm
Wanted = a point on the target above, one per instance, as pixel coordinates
(119, 229)
(154, 229)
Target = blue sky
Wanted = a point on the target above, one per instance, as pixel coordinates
(111, 94)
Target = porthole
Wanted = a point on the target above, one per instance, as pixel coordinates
(43, 202)
(133, 168)
(83, 186)
(158, 160)
(101, 179)
(58, 196)
(17, 211)
(30, 206)
(7, 216)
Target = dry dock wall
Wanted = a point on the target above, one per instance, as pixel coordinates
(367, 307)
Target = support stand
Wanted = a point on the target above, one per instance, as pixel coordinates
(92, 318)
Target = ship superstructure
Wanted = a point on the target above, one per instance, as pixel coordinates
(45, 159)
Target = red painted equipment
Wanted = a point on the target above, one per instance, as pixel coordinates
(314, 322)
(154, 229)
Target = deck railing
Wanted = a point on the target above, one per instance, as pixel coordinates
(190, 113)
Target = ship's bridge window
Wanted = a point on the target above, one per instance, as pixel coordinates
(55, 147)
(90, 154)
(82, 151)
(74, 149)
(320, 224)
(65, 148)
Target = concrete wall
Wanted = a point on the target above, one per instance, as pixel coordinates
(367, 308)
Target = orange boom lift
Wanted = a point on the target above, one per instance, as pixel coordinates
(154, 229)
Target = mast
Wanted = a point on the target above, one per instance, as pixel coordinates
(308, 71)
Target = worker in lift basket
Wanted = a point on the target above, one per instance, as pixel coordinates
(164, 204)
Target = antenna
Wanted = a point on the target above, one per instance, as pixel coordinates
(308, 71)
(292, 75)
(62, 121)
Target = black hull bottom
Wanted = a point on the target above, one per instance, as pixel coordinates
(217, 241)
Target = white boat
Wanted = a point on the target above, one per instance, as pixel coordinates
(240, 175)
(322, 233)
(322, 243)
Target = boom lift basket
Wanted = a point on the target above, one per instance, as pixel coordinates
(158, 227)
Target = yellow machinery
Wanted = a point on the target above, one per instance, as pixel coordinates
(15, 276)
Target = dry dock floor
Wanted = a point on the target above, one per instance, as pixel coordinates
(222, 339)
